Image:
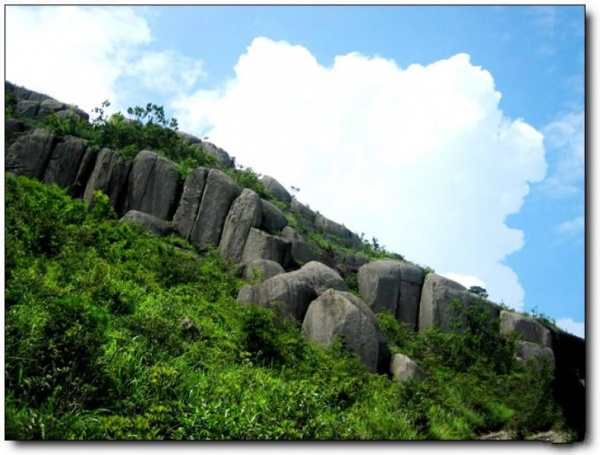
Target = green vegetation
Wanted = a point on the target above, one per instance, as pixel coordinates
(114, 334)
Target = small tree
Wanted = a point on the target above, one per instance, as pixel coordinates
(479, 291)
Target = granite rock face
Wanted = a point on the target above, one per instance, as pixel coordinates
(30, 153)
(261, 269)
(187, 212)
(448, 304)
(109, 175)
(276, 189)
(403, 368)
(153, 185)
(528, 328)
(273, 219)
(260, 245)
(67, 158)
(151, 223)
(338, 314)
(245, 213)
(218, 195)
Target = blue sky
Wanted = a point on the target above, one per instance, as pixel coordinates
(453, 134)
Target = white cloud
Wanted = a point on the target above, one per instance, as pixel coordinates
(466, 280)
(571, 326)
(572, 227)
(565, 143)
(421, 157)
(80, 55)
(73, 53)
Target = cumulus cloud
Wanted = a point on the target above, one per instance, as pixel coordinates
(571, 326)
(565, 143)
(84, 55)
(420, 157)
(572, 227)
(73, 53)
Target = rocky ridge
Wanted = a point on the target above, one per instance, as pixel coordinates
(297, 278)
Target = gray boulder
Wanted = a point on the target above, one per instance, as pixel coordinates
(393, 286)
(109, 176)
(187, 211)
(337, 232)
(261, 269)
(13, 129)
(276, 189)
(301, 253)
(528, 328)
(153, 183)
(65, 161)
(447, 304)
(286, 294)
(219, 193)
(273, 219)
(304, 214)
(244, 214)
(155, 225)
(27, 108)
(260, 245)
(223, 158)
(189, 138)
(403, 368)
(534, 354)
(30, 153)
(337, 314)
(321, 278)
(49, 106)
(293, 291)
(86, 167)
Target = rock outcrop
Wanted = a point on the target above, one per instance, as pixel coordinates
(187, 212)
(245, 213)
(276, 189)
(109, 176)
(219, 194)
(273, 219)
(403, 368)
(151, 223)
(153, 185)
(393, 286)
(338, 314)
(528, 328)
(260, 245)
(447, 305)
(30, 153)
(261, 270)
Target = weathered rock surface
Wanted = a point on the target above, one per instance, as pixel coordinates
(260, 245)
(321, 278)
(300, 251)
(535, 354)
(304, 214)
(287, 294)
(341, 314)
(13, 129)
(261, 269)
(293, 290)
(244, 214)
(337, 232)
(155, 225)
(446, 303)
(223, 158)
(109, 176)
(394, 286)
(219, 193)
(189, 203)
(273, 219)
(65, 161)
(30, 153)
(153, 184)
(348, 263)
(528, 328)
(276, 189)
(403, 368)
